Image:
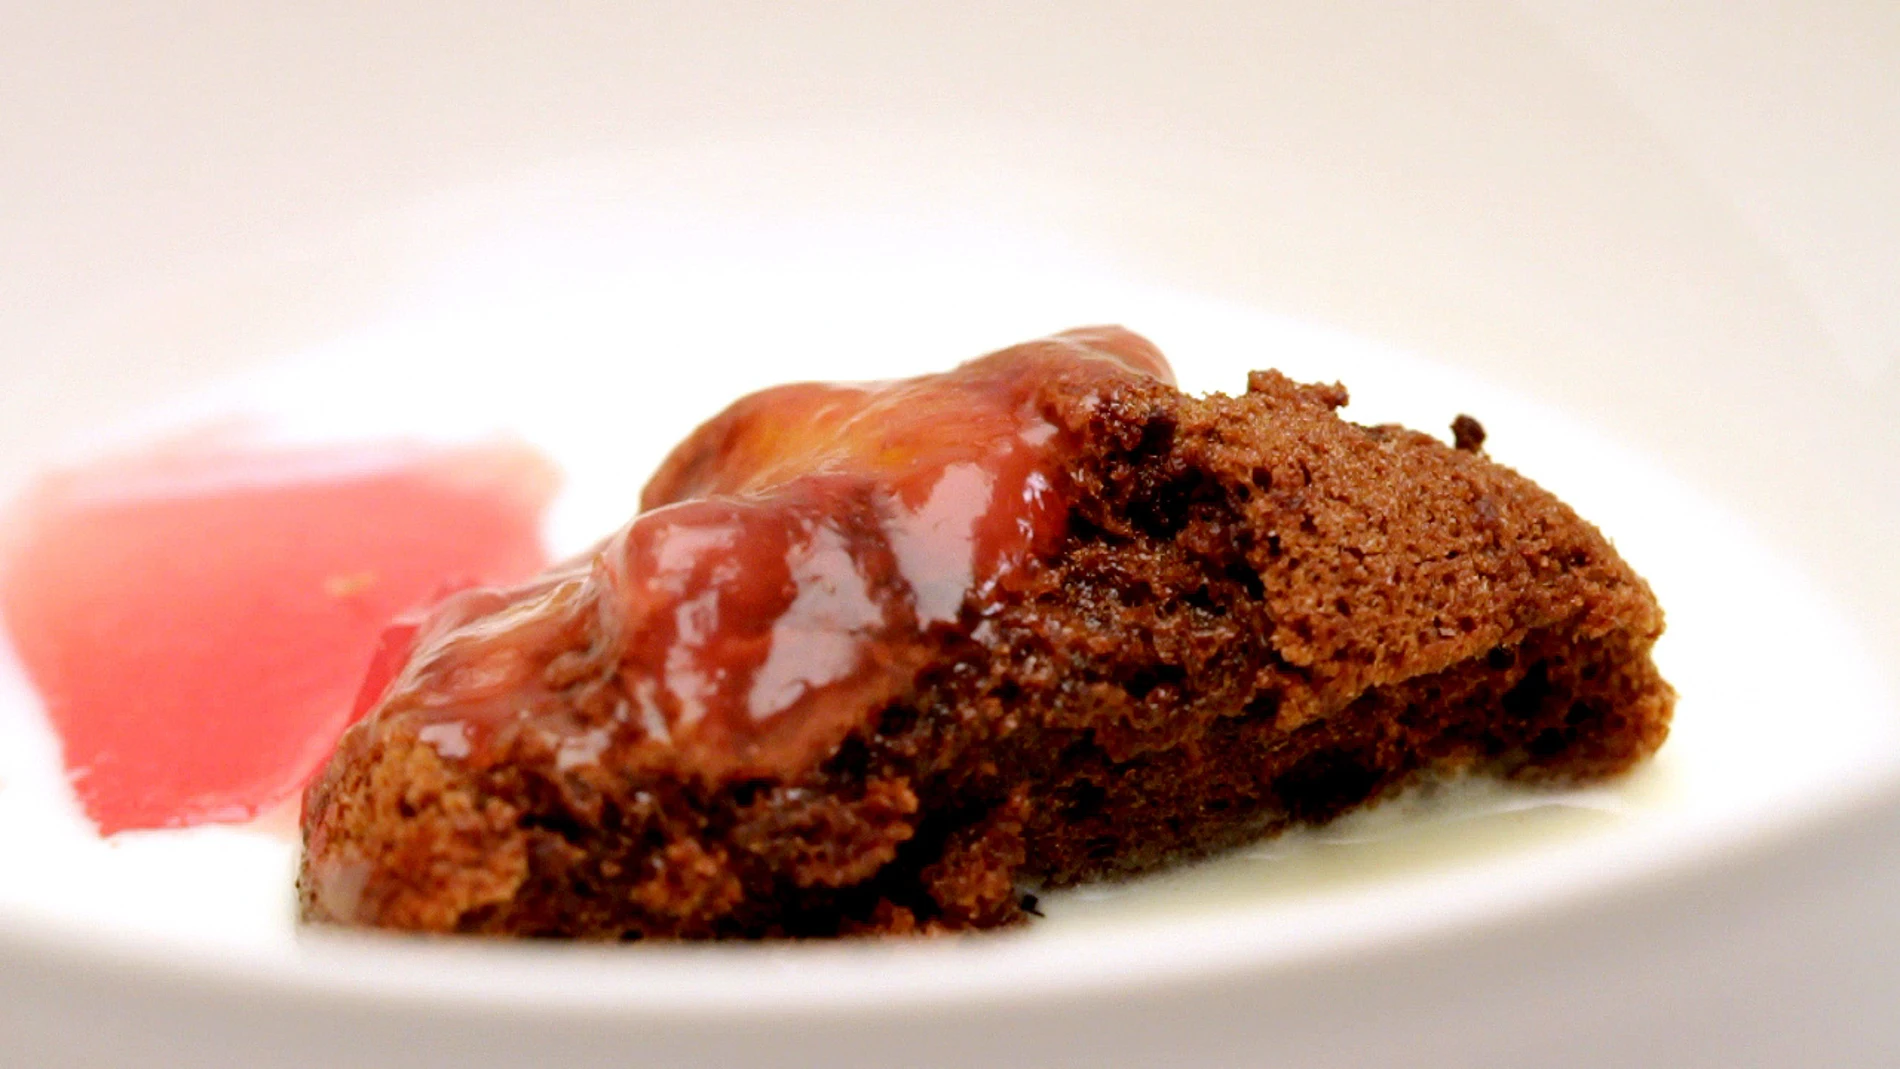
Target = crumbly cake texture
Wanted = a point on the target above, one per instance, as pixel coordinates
(1260, 615)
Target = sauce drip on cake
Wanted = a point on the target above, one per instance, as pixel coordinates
(788, 555)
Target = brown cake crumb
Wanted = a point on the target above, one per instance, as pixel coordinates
(1249, 614)
(1467, 434)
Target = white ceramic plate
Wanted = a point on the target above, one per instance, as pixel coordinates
(1503, 210)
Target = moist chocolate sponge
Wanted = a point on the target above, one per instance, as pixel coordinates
(1260, 615)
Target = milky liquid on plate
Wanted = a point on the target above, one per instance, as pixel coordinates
(605, 368)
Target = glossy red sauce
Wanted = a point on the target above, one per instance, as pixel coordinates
(198, 619)
(791, 552)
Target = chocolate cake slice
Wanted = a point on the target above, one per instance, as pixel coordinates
(875, 658)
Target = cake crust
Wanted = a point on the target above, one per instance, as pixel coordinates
(1255, 614)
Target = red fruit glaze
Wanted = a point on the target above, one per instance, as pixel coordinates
(197, 620)
(793, 551)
